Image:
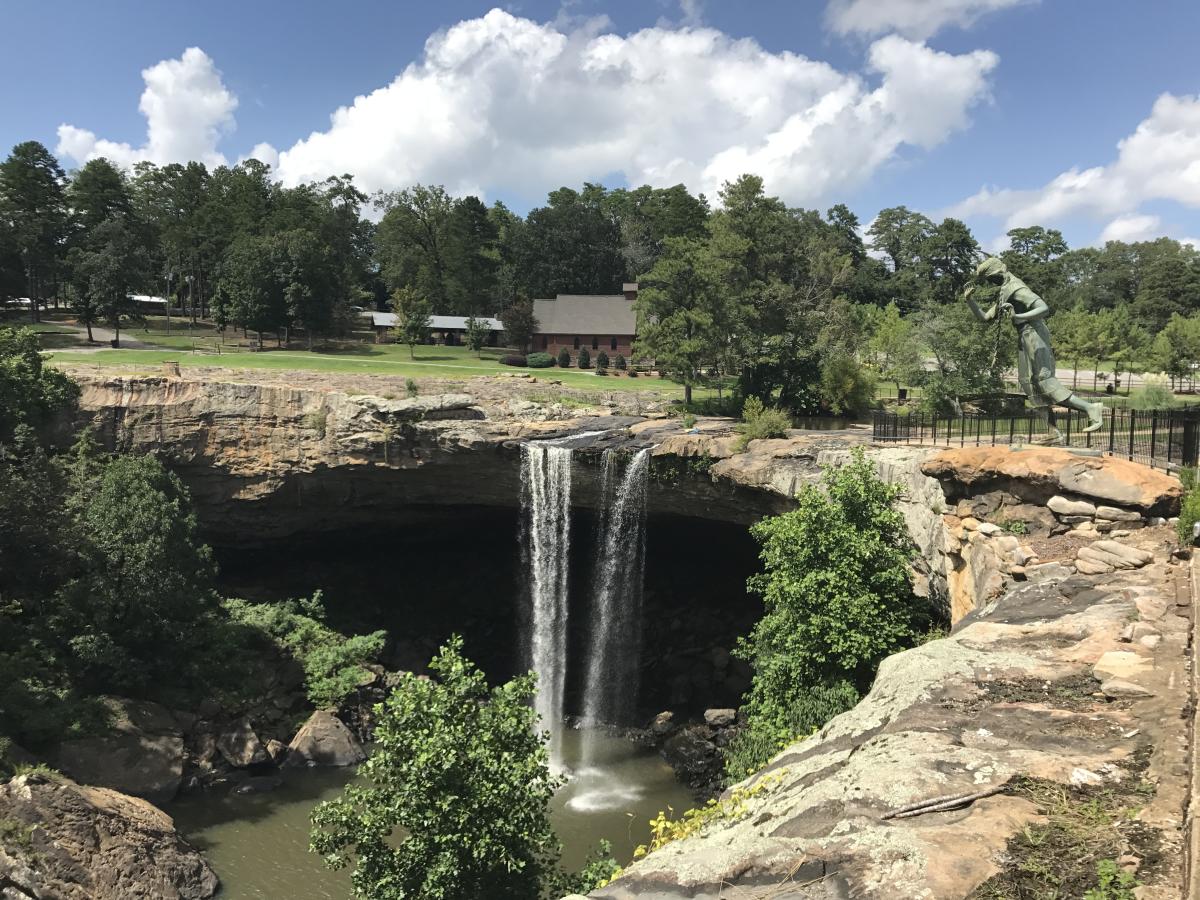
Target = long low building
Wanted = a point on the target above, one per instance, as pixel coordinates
(594, 321)
(444, 329)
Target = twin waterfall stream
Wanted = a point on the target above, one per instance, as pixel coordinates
(614, 600)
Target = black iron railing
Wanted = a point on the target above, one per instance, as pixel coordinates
(1161, 438)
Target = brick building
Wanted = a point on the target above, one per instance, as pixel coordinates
(596, 321)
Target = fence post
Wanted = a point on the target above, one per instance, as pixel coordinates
(1132, 432)
(1112, 432)
(1191, 431)
(1153, 434)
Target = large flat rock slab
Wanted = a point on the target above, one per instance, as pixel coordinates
(1038, 474)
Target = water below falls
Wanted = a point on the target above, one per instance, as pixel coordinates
(258, 843)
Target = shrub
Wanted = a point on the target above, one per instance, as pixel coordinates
(619, 362)
(601, 360)
(1155, 392)
(633, 373)
(837, 599)
(539, 360)
(410, 388)
(450, 754)
(513, 359)
(689, 421)
(846, 387)
(759, 421)
(585, 359)
(564, 358)
(1189, 507)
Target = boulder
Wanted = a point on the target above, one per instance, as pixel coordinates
(1064, 506)
(1120, 689)
(664, 723)
(277, 750)
(141, 753)
(240, 745)
(93, 843)
(324, 740)
(1037, 474)
(720, 718)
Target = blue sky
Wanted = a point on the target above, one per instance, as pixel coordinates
(1015, 118)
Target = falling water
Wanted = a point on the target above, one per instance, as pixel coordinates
(545, 545)
(614, 647)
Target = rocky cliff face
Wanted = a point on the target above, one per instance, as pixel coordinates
(65, 841)
(1041, 737)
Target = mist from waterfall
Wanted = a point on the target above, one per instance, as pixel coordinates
(545, 547)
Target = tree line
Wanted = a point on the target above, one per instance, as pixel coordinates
(800, 308)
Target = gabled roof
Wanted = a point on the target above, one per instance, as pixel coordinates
(596, 314)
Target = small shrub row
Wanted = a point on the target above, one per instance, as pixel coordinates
(513, 359)
(539, 360)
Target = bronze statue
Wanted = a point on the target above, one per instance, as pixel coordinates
(1035, 357)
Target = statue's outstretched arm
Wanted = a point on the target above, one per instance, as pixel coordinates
(980, 315)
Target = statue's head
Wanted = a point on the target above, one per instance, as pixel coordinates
(991, 270)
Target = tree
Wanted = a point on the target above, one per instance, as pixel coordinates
(251, 295)
(472, 257)
(463, 772)
(683, 320)
(570, 246)
(837, 598)
(97, 192)
(33, 395)
(899, 232)
(33, 204)
(477, 335)
(109, 268)
(896, 348)
(412, 241)
(413, 317)
(144, 593)
(1034, 257)
(519, 323)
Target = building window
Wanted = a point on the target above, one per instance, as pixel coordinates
(576, 343)
(545, 341)
(595, 342)
(612, 344)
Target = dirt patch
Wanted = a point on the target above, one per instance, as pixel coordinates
(1075, 692)
(1085, 828)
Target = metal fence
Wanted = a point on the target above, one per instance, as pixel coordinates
(1160, 438)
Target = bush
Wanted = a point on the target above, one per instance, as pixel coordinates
(759, 421)
(619, 362)
(1189, 507)
(564, 358)
(1155, 392)
(837, 599)
(332, 662)
(585, 359)
(633, 373)
(846, 387)
(601, 360)
(539, 360)
(411, 388)
(513, 359)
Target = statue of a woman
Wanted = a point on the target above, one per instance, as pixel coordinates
(1035, 358)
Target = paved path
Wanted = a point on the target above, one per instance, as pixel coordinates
(103, 340)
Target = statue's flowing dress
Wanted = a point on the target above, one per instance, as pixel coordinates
(1035, 358)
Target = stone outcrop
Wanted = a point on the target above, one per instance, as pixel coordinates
(65, 841)
(324, 741)
(1038, 474)
(1014, 696)
(141, 753)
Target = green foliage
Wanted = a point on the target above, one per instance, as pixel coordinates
(664, 828)
(564, 358)
(461, 770)
(601, 360)
(599, 869)
(619, 363)
(760, 422)
(519, 322)
(539, 360)
(846, 386)
(1153, 393)
(1112, 883)
(584, 360)
(317, 420)
(1189, 507)
(32, 395)
(413, 317)
(332, 662)
(837, 597)
(16, 835)
(411, 388)
(477, 334)
(688, 421)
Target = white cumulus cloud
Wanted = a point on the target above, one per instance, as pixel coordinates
(506, 102)
(1159, 161)
(187, 108)
(917, 19)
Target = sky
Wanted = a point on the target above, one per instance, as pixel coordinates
(1082, 115)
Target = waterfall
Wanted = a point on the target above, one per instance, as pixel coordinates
(545, 547)
(615, 626)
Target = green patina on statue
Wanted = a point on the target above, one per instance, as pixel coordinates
(1035, 357)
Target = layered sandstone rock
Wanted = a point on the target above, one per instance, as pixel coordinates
(65, 841)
